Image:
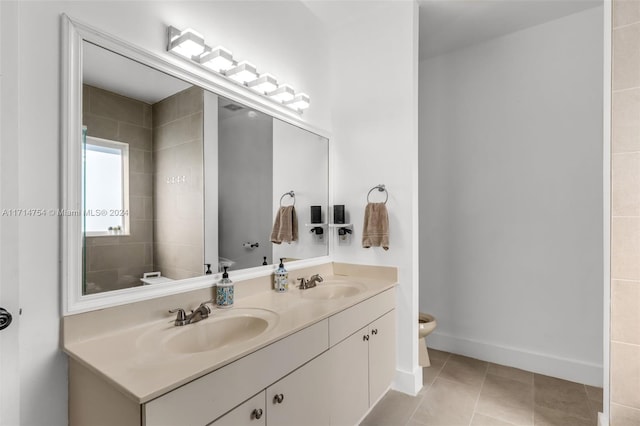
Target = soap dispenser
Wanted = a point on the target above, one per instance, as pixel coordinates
(281, 278)
(224, 291)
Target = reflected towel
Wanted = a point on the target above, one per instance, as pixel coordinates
(376, 226)
(285, 227)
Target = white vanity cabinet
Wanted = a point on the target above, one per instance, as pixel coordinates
(363, 364)
(328, 373)
(301, 398)
(205, 399)
(252, 412)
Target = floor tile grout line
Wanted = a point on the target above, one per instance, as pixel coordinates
(428, 387)
(475, 406)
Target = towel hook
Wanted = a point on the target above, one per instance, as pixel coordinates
(380, 188)
(290, 194)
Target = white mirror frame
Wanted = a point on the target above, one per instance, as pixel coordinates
(74, 33)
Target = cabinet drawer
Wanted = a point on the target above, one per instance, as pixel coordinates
(347, 322)
(250, 413)
(209, 397)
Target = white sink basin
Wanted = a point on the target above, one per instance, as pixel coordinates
(221, 329)
(334, 289)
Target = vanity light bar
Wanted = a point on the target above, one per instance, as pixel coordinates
(190, 45)
(243, 73)
(300, 101)
(264, 84)
(217, 59)
(282, 94)
(187, 43)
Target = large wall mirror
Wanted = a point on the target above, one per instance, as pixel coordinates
(177, 180)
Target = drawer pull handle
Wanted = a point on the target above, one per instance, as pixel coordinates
(365, 337)
(257, 413)
(278, 398)
(374, 331)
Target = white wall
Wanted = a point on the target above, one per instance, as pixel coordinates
(244, 27)
(300, 163)
(510, 198)
(374, 91)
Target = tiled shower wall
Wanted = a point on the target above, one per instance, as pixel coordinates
(115, 262)
(178, 249)
(625, 216)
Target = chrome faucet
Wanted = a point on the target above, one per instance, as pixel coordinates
(198, 314)
(312, 282)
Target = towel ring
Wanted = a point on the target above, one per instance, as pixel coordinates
(290, 194)
(380, 188)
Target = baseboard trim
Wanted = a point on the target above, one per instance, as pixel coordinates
(564, 368)
(408, 382)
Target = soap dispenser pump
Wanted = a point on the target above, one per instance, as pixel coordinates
(281, 278)
(208, 272)
(224, 291)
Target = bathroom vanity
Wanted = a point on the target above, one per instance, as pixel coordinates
(320, 356)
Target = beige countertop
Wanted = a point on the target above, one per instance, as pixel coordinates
(135, 361)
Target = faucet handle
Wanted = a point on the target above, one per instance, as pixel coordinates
(181, 318)
(204, 306)
(303, 283)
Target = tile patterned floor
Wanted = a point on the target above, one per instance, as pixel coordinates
(462, 391)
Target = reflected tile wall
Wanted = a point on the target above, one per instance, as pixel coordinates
(178, 249)
(625, 215)
(117, 262)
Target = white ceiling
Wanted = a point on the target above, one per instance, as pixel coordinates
(110, 71)
(448, 25)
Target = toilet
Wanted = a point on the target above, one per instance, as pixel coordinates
(426, 324)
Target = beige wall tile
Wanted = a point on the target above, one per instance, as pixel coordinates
(86, 98)
(625, 184)
(118, 107)
(625, 374)
(165, 111)
(100, 127)
(178, 132)
(625, 121)
(136, 207)
(190, 101)
(626, 57)
(624, 416)
(140, 184)
(625, 248)
(147, 116)
(136, 136)
(625, 311)
(110, 257)
(626, 12)
(136, 160)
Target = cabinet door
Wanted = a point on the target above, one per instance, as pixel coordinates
(349, 393)
(382, 355)
(302, 397)
(250, 413)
